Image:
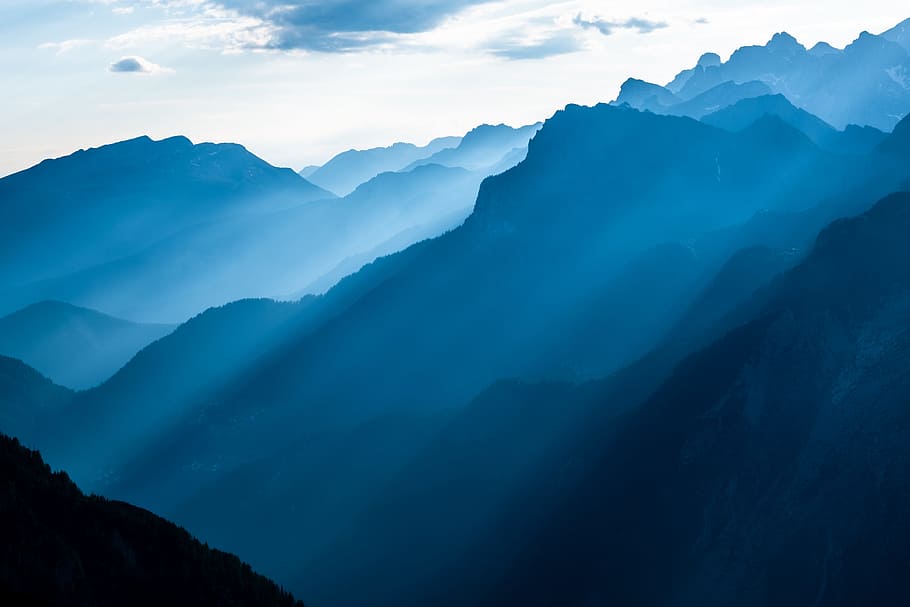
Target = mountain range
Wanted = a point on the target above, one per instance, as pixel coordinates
(344, 172)
(867, 83)
(281, 236)
(656, 361)
(171, 423)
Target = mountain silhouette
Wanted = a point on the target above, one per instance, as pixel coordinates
(255, 254)
(653, 98)
(483, 148)
(106, 203)
(344, 172)
(602, 189)
(61, 547)
(864, 84)
(854, 139)
(75, 347)
(632, 372)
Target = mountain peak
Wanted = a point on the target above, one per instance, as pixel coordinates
(823, 48)
(709, 60)
(782, 41)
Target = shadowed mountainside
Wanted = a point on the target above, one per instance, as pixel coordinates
(61, 547)
(770, 466)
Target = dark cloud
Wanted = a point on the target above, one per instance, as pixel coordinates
(128, 65)
(135, 65)
(559, 43)
(345, 25)
(607, 27)
(702, 21)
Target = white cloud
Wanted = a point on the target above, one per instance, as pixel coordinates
(65, 46)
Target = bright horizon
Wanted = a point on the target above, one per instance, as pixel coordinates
(298, 86)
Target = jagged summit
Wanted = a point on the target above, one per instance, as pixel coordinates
(823, 48)
(783, 41)
(709, 60)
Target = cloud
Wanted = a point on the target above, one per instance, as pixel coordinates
(608, 27)
(66, 46)
(518, 48)
(137, 65)
(328, 25)
(702, 21)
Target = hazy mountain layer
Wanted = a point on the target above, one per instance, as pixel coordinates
(344, 172)
(75, 347)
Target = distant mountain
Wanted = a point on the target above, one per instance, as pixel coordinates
(343, 173)
(865, 84)
(721, 96)
(856, 140)
(75, 347)
(483, 147)
(256, 254)
(107, 203)
(61, 547)
(653, 98)
(645, 95)
(770, 467)
(899, 34)
(308, 170)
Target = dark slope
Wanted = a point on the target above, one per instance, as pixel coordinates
(344, 172)
(856, 140)
(25, 397)
(770, 468)
(101, 204)
(61, 547)
(75, 347)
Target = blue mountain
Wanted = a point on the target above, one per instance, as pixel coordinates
(344, 172)
(784, 431)
(110, 202)
(599, 192)
(864, 84)
(486, 147)
(853, 139)
(705, 403)
(262, 249)
(75, 347)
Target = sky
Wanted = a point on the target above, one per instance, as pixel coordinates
(297, 81)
